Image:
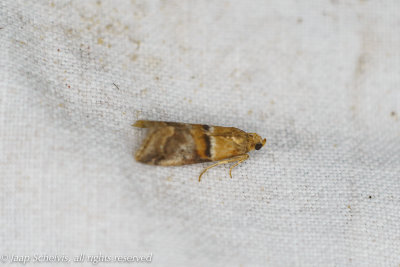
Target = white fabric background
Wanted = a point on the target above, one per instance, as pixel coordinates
(319, 79)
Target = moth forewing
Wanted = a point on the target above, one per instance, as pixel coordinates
(173, 144)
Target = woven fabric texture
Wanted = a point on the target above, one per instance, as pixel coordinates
(319, 79)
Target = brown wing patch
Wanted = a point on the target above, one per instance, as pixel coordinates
(169, 146)
(151, 150)
(201, 137)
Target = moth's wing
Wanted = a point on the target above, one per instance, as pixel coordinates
(168, 145)
(156, 124)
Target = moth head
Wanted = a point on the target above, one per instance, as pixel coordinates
(255, 141)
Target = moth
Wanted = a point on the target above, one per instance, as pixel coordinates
(174, 144)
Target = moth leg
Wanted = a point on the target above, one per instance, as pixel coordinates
(244, 157)
(239, 159)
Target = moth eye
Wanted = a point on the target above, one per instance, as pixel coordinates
(258, 146)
